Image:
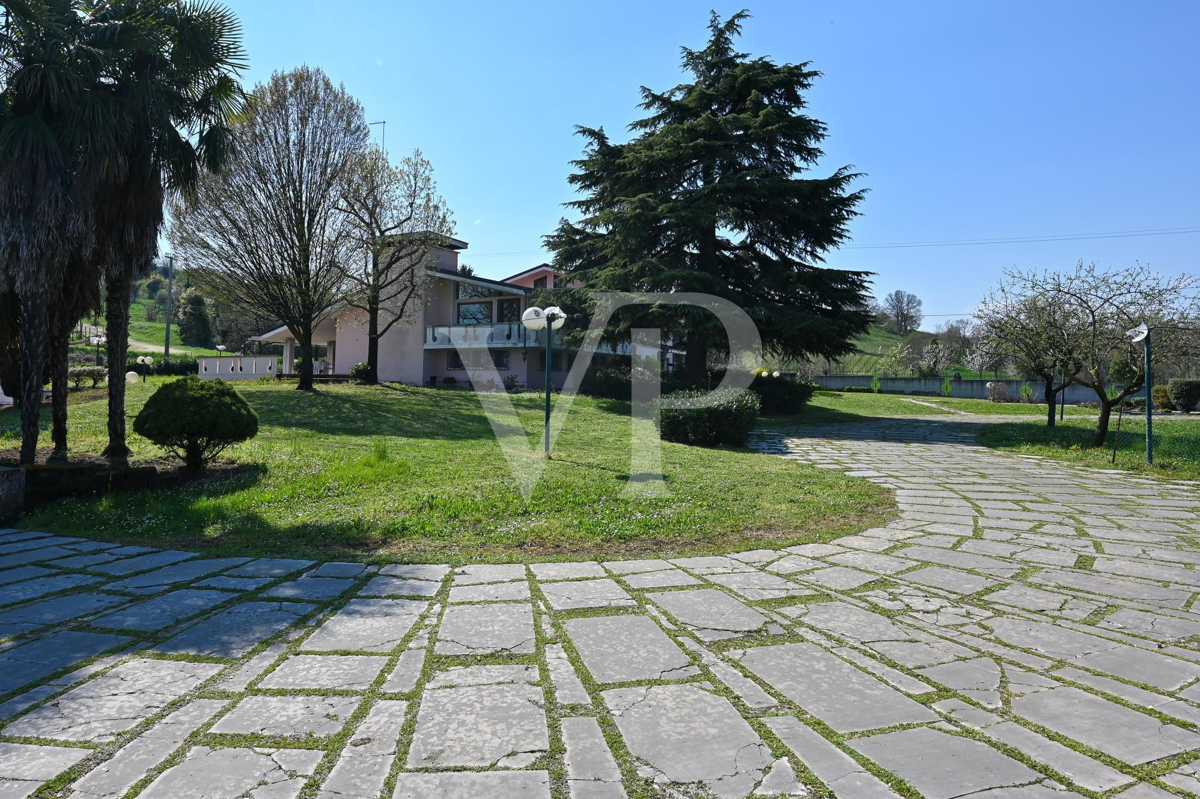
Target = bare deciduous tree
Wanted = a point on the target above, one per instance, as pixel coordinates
(903, 310)
(1034, 329)
(1101, 306)
(397, 218)
(267, 234)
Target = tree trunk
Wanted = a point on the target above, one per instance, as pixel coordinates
(696, 359)
(34, 318)
(1051, 401)
(306, 364)
(116, 321)
(59, 347)
(1102, 423)
(373, 340)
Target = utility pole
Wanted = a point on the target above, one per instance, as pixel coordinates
(170, 299)
(382, 136)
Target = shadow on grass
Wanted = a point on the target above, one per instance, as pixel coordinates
(452, 415)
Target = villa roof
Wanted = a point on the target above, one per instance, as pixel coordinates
(531, 270)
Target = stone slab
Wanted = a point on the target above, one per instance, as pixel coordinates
(618, 649)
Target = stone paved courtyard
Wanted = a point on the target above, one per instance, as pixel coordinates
(1023, 628)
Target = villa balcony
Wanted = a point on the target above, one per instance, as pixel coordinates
(505, 334)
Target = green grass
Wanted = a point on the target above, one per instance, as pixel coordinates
(156, 332)
(832, 407)
(417, 474)
(1003, 408)
(1176, 443)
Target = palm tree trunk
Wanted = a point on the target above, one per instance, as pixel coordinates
(34, 318)
(116, 321)
(59, 348)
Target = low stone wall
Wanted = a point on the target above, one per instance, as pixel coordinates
(12, 493)
(963, 389)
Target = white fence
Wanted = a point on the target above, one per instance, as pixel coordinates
(238, 368)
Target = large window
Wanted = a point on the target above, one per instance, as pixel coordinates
(474, 313)
(454, 360)
(468, 291)
(539, 283)
(500, 359)
(508, 310)
(555, 365)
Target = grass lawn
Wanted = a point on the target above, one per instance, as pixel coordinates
(1003, 408)
(410, 474)
(831, 407)
(1176, 443)
(156, 332)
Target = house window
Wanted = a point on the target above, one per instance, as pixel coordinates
(509, 310)
(453, 360)
(555, 364)
(500, 359)
(474, 313)
(468, 291)
(539, 283)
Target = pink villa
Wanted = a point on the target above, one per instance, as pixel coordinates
(486, 314)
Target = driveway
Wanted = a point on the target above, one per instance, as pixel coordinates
(1023, 628)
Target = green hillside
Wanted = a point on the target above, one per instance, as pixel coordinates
(156, 332)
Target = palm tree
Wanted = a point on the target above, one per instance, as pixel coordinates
(55, 109)
(178, 86)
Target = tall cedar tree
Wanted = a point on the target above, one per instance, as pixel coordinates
(709, 197)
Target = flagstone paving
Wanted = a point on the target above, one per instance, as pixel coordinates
(1022, 628)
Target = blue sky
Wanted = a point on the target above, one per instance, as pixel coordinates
(971, 120)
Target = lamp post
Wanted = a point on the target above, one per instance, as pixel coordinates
(1142, 333)
(170, 290)
(145, 361)
(99, 341)
(551, 319)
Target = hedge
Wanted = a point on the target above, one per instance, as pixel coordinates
(1184, 394)
(724, 416)
(1161, 397)
(175, 365)
(78, 375)
(780, 395)
(858, 390)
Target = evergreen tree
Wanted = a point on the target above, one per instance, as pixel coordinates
(711, 196)
(195, 327)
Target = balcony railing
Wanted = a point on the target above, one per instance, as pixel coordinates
(506, 334)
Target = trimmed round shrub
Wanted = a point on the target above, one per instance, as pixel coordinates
(724, 416)
(780, 395)
(1161, 398)
(196, 420)
(1184, 394)
(359, 372)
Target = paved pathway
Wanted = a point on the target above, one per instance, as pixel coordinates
(1022, 629)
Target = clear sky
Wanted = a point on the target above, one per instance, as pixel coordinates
(971, 120)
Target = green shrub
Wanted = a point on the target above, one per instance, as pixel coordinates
(608, 382)
(858, 390)
(1184, 394)
(360, 372)
(780, 395)
(1161, 397)
(876, 386)
(196, 420)
(725, 416)
(1026, 393)
(947, 387)
(78, 375)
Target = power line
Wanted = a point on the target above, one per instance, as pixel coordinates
(1112, 234)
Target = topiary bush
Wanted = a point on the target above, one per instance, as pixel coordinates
(1184, 394)
(360, 372)
(78, 375)
(196, 420)
(1161, 397)
(725, 416)
(780, 395)
(858, 390)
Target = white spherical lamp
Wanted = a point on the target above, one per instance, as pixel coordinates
(534, 318)
(559, 316)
